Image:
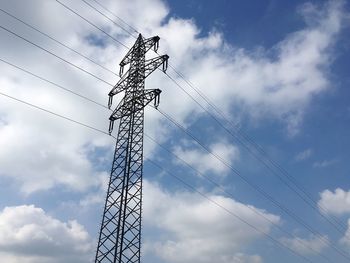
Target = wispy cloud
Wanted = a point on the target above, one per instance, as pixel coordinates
(325, 163)
(303, 155)
(204, 161)
(307, 246)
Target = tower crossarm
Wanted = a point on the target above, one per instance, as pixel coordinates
(135, 103)
(150, 66)
(147, 43)
(154, 63)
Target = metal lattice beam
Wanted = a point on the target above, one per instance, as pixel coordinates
(120, 232)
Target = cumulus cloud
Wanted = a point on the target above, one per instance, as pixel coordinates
(45, 161)
(306, 246)
(30, 235)
(40, 152)
(204, 161)
(281, 86)
(195, 229)
(336, 203)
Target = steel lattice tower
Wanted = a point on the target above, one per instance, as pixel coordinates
(120, 232)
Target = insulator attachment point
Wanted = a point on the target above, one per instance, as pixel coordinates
(165, 63)
(111, 124)
(110, 101)
(121, 70)
(157, 99)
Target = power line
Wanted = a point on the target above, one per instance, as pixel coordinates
(92, 24)
(57, 41)
(53, 54)
(107, 34)
(250, 151)
(268, 236)
(58, 1)
(116, 16)
(146, 135)
(54, 84)
(254, 186)
(202, 175)
(149, 137)
(207, 100)
(55, 114)
(294, 181)
(298, 186)
(171, 66)
(263, 153)
(115, 23)
(222, 207)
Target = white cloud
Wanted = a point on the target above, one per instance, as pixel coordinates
(346, 239)
(40, 152)
(30, 235)
(196, 230)
(205, 162)
(280, 87)
(41, 162)
(337, 202)
(307, 246)
(303, 155)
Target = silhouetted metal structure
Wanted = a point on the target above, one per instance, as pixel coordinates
(120, 233)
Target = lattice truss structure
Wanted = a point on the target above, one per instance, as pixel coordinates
(120, 232)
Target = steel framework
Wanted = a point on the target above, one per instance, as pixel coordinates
(120, 232)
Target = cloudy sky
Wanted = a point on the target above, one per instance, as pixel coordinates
(261, 171)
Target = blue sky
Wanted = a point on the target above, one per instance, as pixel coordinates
(278, 68)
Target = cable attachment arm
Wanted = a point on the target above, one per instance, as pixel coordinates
(135, 103)
(147, 44)
(130, 76)
(154, 63)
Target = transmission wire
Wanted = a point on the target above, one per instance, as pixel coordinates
(116, 16)
(115, 23)
(247, 148)
(84, 19)
(251, 184)
(55, 114)
(202, 175)
(54, 84)
(55, 55)
(250, 140)
(57, 41)
(183, 90)
(92, 24)
(268, 236)
(263, 153)
(185, 183)
(150, 138)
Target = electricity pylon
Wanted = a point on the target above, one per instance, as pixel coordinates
(120, 232)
